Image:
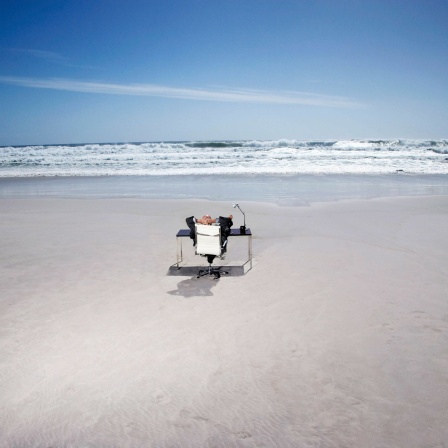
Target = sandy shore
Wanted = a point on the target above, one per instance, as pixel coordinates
(338, 336)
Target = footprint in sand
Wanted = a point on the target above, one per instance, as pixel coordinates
(160, 397)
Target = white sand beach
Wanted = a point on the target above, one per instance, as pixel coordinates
(337, 337)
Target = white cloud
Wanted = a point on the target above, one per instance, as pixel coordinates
(227, 95)
(41, 54)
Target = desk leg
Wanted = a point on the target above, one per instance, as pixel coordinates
(179, 254)
(249, 248)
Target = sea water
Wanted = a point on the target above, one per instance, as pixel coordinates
(227, 157)
(284, 171)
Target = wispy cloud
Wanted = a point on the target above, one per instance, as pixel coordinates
(48, 56)
(42, 54)
(225, 95)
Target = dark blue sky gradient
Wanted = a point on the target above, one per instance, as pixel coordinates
(373, 69)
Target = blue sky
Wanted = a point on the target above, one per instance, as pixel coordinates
(75, 71)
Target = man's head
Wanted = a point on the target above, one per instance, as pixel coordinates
(206, 220)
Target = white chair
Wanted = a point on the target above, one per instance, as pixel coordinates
(208, 243)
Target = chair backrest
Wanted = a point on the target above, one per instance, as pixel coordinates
(208, 240)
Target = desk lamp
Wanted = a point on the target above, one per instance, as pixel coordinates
(242, 228)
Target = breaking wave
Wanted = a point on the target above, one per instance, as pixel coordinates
(227, 157)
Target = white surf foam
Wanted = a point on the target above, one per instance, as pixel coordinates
(228, 157)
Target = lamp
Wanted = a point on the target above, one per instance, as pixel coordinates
(243, 227)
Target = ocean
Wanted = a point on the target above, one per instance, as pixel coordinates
(227, 157)
(290, 172)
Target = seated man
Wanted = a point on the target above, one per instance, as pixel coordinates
(225, 224)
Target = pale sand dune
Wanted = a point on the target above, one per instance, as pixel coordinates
(338, 336)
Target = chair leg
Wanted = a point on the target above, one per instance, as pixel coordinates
(216, 272)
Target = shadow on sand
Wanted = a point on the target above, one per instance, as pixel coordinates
(195, 287)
